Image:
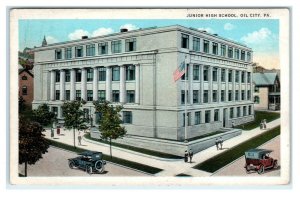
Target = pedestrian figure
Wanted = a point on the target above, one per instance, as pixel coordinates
(52, 132)
(79, 138)
(186, 156)
(221, 143)
(261, 126)
(217, 143)
(191, 154)
(233, 124)
(265, 124)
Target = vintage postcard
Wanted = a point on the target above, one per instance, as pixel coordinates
(150, 97)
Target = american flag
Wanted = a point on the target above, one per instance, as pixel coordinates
(179, 71)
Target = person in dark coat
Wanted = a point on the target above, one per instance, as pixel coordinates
(221, 143)
(217, 143)
(191, 154)
(186, 156)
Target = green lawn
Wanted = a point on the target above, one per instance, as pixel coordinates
(215, 163)
(131, 164)
(259, 116)
(136, 149)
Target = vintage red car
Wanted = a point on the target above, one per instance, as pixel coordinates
(259, 160)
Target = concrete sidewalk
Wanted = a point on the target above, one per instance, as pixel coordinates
(169, 167)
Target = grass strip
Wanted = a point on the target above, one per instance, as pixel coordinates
(215, 163)
(124, 162)
(259, 116)
(136, 149)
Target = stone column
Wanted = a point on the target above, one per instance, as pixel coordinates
(219, 84)
(95, 84)
(108, 83)
(240, 85)
(137, 83)
(251, 87)
(52, 85)
(226, 85)
(201, 84)
(210, 84)
(83, 84)
(72, 84)
(246, 85)
(233, 85)
(122, 84)
(191, 66)
(62, 85)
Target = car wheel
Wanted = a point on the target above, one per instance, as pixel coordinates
(261, 169)
(275, 165)
(99, 166)
(248, 169)
(89, 169)
(71, 164)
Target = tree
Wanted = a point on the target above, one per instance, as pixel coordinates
(22, 105)
(32, 143)
(74, 116)
(110, 121)
(43, 115)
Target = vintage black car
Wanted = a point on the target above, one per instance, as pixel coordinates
(90, 161)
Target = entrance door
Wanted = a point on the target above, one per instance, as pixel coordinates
(225, 118)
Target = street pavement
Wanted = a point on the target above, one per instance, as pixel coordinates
(169, 167)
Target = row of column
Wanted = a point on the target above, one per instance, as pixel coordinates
(108, 84)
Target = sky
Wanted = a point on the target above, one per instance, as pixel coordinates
(262, 35)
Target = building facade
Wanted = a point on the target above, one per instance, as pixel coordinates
(135, 69)
(26, 85)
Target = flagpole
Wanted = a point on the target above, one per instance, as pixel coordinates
(185, 102)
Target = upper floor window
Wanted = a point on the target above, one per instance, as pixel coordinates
(116, 73)
(230, 52)
(230, 76)
(57, 94)
(101, 95)
(243, 55)
(102, 48)
(115, 95)
(78, 95)
(237, 54)
(237, 76)
(127, 117)
(196, 44)
(57, 76)
(205, 73)
(243, 77)
(68, 53)
(89, 74)
(223, 75)
(231, 113)
(197, 117)
(116, 46)
(90, 50)
(223, 50)
(215, 74)
(130, 96)
(130, 72)
(78, 75)
(79, 51)
(130, 44)
(196, 72)
(184, 41)
(249, 77)
(207, 116)
(89, 95)
(58, 54)
(67, 76)
(215, 48)
(195, 96)
(102, 73)
(24, 90)
(216, 115)
(206, 46)
(24, 77)
(67, 95)
(248, 57)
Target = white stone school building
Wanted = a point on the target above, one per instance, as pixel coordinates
(135, 68)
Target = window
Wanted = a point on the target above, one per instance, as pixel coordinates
(130, 44)
(78, 95)
(215, 74)
(196, 72)
(90, 50)
(256, 100)
(248, 57)
(116, 46)
(205, 96)
(248, 95)
(243, 55)
(130, 73)
(205, 73)
(249, 110)
(24, 90)
(197, 117)
(116, 96)
(196, 44)
(237, 54)
(256, 89)
(230, 76)
(223, 50)
(58, 54)
(78, 75)
(67, 76)
(244, 111)
(243, 77)
(116, 73)
(55, 110)
(102, 73)
(127, 117)
(216, 115)
(236, 95)
(229, 95)
(183, 96)
(57, 94)
(238, 111)
(249, 77)
(237, 76)
(184, 41)
(230, 52)
(24, 77)
(195, 96)
(206, 46)
(243, 95)
(79, 51)
(130, 96)
(68, 53)
(89, 74)
(215, 48)
(57, 76)
(215, 95)
(67, 95)
(188, 118)
(231, 112)
(101, 95)
(89, 95)
(102, 48)
(223, 75)
(187, 73)
(222, 95)
(207, 116)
